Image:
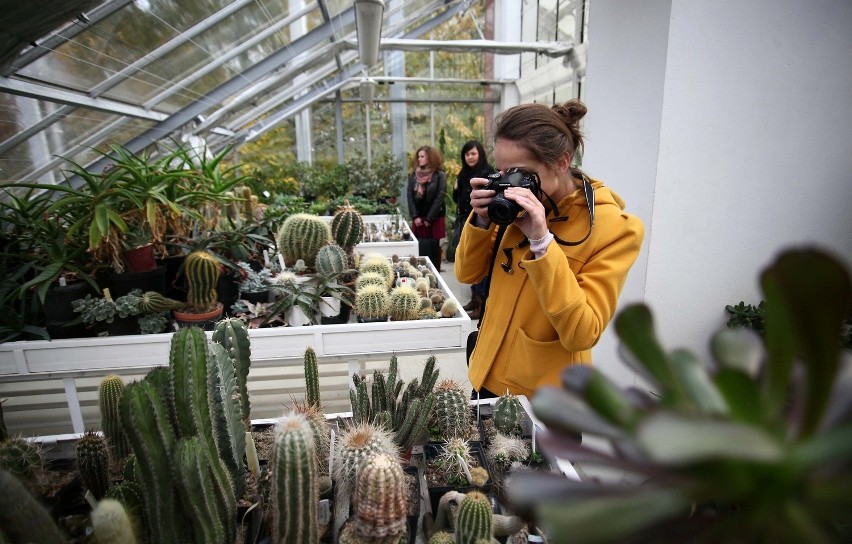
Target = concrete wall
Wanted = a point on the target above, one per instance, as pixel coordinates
(726, 126)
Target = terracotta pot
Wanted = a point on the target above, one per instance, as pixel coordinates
(140, 259)
(204, 320)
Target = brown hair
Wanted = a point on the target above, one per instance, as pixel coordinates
(433, 156)
(547, 133)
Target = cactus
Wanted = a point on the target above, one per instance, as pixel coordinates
(294, 496)
(456, 459)
(312, 390)
(347, 227)
(188, 360)
(507, 414)
(111, 523)
(146, 422)
(452, 409)
(22, 458)
(404, 303)
(380, 265)
(449, 308)
(22, 517)
(354, 446)
(504, 450)
(93, 463)
(370, 278)
(227, 419)
(381, 500)
(474, 519)
(442, 537)
(372, 302)
(301, 236)
(205, 491)
(152, 302)
(331, 260)
(109, 398)
(129, 494)
(202, 273)
(427, 313)
(321, 432)
(233, 335)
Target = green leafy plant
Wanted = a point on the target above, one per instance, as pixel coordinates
(748, 316)
(756, 448)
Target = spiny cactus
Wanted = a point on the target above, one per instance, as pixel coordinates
(227, 419)
(442, 537)
(347, 227)
(370, 278)
(152, 302)
(331, 260)
(321, 431)
(294, 496)
(427, 313)
(312, 390)
(507, 414)
(381, 500)
(188, 370)
(452, 409)
(202, 273)
(129, 494)
(404, 303)
(233, 335)
(109, 398)
(372, 302)
(146, 422)
(111, 523)
(22, 458)
(449, 308)
(355, 445)
(93, 463)
(504, 450)
(22, 517)
(455, 460)
(379, 265)
(474, 519)
(301, 236)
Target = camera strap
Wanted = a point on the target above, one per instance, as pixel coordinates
(590, 204)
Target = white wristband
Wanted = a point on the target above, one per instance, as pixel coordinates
(539, 247)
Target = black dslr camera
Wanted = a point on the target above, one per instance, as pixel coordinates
(502, 210)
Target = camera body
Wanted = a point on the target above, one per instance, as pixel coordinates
(502, 210)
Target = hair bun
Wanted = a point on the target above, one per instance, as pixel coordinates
(572, 111)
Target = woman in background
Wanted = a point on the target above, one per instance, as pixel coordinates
(474, 165)
(427, 185)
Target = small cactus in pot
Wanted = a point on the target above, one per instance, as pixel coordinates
(404, 303)
(372, 303)
(301, 237)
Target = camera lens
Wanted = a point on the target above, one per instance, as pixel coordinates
(503, 211)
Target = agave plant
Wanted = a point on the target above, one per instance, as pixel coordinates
(756, 448)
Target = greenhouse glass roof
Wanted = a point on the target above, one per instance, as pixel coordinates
(140, 71)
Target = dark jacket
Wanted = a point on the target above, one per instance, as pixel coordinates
(461, 194)
(431, 206)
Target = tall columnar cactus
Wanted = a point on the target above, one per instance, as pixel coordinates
(202, 273)
(380, 265)
(188, 360)
(93, 463)
(331, 260)
(294, 496)
(347, 227)
(381, 500)
(205, 491)
(474, 520)
(109, 398)
(22, 517)
(111, 523)
(404, 303)
(146, 422)
(321, 431)
(230, 435)
(452, 409)
(507, 414)
(372, 302)
(312, 390)
(22, 458)
(301, 237)
(233, 335)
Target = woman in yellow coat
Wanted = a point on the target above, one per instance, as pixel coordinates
(562, 260)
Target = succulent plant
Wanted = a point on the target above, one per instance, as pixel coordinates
(22, 517)
(111, 523)
(380, 501)
(301, 236)
(372, 302)
(449, 308)
(347, 227)
(93, 463)
(233, 335)
(455, 460)
(153, 302)
(312, 389)
(474, 519)
(507, 414)
(332, 260)
(202, 273)
(370, 278)
(404, 303)
(321, 431)
(451, 413)
(228, 427)
(755, 448)
(109, 399)
(22, 458)
(294, 496)
(503, 450)
(380, 265)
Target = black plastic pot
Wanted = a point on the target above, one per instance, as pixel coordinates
(122, 284)
(432, 450)
(58, 312)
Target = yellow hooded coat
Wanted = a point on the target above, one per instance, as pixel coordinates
(548, 312)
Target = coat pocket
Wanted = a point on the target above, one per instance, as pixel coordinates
(532, 362)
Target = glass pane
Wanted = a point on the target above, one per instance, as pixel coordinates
(566, 27)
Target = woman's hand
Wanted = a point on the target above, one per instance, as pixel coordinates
(533, 223)
(480, 199)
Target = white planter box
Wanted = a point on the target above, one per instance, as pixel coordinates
(401, 248)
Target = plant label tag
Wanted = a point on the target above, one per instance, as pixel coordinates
(324, 512)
